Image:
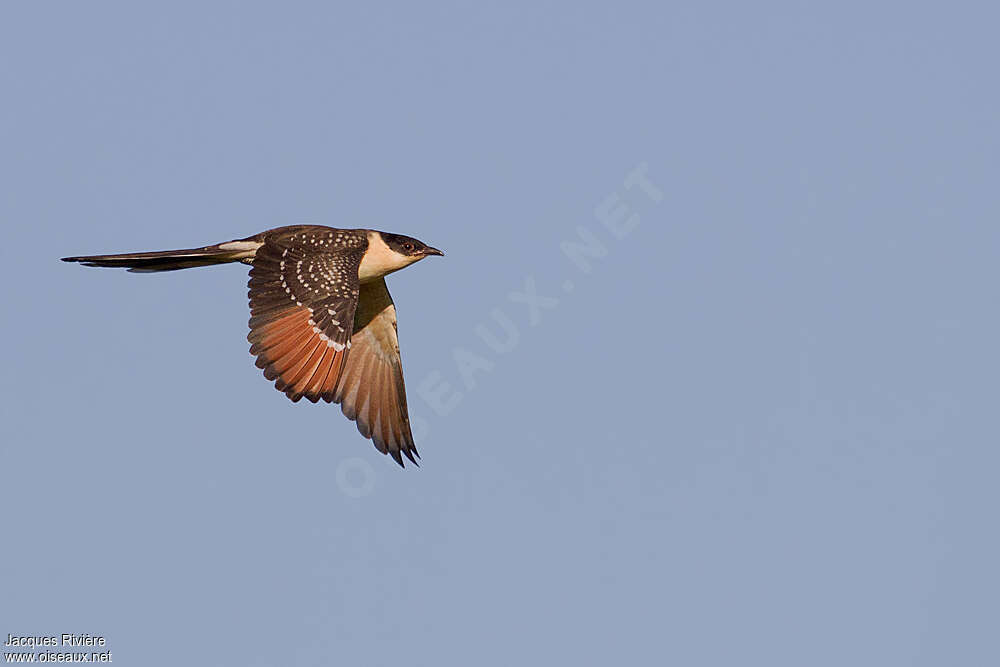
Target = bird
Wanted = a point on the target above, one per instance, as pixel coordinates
(322, 322)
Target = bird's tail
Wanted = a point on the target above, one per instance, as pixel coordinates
(173, 260)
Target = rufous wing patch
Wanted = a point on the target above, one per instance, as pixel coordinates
(297, 357)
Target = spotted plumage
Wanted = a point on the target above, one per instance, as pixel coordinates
(322, 323)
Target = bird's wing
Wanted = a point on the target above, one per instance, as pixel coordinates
(302, 302)
(371, 389)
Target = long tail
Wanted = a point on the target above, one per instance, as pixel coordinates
(173, 260)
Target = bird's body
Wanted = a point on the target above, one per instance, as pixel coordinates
(322, 323)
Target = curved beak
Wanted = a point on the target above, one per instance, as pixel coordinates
(432, 251)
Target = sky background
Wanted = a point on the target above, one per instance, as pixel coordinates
(759, 430)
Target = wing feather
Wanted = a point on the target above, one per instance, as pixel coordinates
(303, 288)
(371, 390)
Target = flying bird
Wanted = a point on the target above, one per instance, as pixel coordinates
(322, 323)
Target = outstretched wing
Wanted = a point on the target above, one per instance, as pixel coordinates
(303, 295)
(371, 389)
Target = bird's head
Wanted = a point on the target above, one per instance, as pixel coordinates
(388, 253)
(408, 246)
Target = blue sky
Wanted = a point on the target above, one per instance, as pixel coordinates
(758, 429)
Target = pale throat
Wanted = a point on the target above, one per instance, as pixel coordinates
(381, 260)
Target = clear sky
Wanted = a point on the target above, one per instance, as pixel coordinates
(737, 407)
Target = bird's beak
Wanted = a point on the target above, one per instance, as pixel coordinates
(432, 251)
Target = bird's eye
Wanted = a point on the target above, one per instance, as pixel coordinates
(407, 246)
